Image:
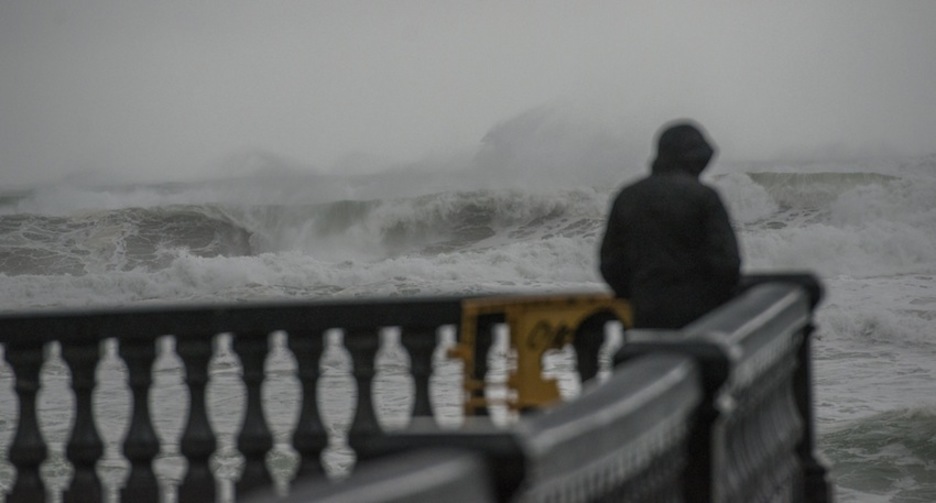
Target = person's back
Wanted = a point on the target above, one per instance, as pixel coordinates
(669, 246)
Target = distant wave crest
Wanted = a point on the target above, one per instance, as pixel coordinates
(433, 223)
(115, 240)
(150, 238)
(814, 189)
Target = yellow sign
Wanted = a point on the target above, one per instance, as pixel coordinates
(536, 324)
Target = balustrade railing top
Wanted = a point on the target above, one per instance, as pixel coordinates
(36, 326)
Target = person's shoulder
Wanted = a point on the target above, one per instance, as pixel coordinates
(684, 183)
(632, 186)
(710, 189)
(697, 190)
(711, 196)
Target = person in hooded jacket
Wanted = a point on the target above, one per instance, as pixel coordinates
(668, 246)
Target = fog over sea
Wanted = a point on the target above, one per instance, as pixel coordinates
(488, 223)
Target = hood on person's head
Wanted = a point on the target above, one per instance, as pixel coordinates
(681, 146)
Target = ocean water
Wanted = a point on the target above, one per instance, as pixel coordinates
(867, 227)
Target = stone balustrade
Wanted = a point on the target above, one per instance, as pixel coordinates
(720, 411)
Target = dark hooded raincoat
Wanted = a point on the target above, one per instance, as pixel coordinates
(669, 247)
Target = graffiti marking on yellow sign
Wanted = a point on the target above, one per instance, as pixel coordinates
(536, 324)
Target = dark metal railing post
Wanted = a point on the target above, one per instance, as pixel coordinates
(421, 344)
(363, 346)
(588, 340)
(816, 480)
(85, 447)
(198, 441)
(705, 447)
(310, 437)
(28, 450)
(484, 340)
(141, 445)
(255, 439)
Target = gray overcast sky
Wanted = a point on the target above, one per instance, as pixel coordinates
(163, 89)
